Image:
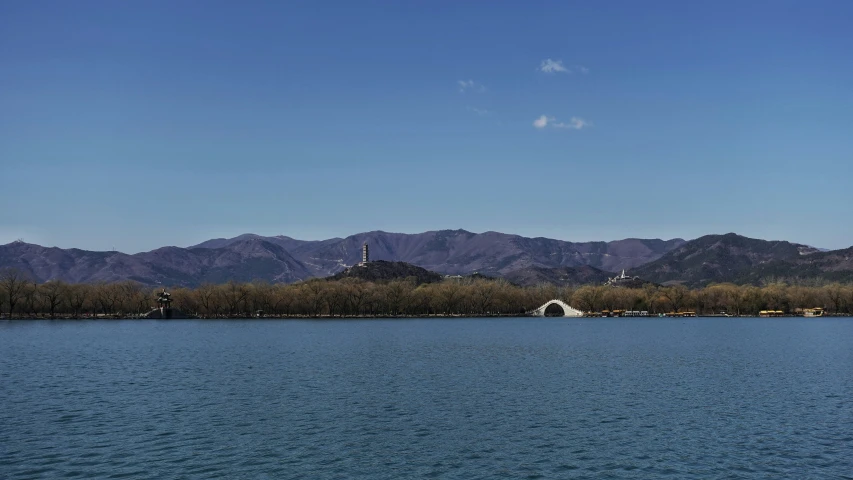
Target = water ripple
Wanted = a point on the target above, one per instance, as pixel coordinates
(479, 398)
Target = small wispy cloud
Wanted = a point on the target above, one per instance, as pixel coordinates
(556, 66)
(479, 111)
(552, 66)
(575, 123)
(470, 86)
(542, 121)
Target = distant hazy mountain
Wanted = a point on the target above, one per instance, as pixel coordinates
(243, 261)
(462, 252)
(284, 259)
(738, 259)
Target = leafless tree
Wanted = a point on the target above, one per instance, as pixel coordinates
(13, 282)
(54, 293)
(235, 296)
(78, 296)
(589, 297)
(676, 295)
(835, 294)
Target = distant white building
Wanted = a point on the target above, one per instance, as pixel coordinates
(619, 278)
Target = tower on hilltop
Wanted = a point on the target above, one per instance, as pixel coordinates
(365, 254)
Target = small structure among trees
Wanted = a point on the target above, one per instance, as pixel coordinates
(164, 308)
(625, 281)
(164, 303)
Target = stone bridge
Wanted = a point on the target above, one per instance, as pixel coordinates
(568, 310)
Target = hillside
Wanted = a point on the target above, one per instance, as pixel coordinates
(738, 259)
(459, 252)
(243, 261)
(562, 276)
(383, 271)
(284, 259)
(521, 260)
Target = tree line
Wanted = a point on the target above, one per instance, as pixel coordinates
(20, 297)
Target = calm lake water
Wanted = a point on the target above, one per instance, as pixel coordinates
(461, 398)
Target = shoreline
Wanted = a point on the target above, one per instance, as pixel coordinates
(368, 317)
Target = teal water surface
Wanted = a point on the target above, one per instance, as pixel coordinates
(429, 398)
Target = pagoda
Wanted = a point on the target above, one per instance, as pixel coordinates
(365, 254)
(164, 304)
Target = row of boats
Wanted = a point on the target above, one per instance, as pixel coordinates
(639, 313)
(807, 312)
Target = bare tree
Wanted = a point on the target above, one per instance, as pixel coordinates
(13, 282)
(651, 293)
(449, 297)
(676, 295)
(849, 296)
(335, 298)
(588, 297)
(484, 296)
(835, 293)
(107, 296)
(127, 295)
(78, 296)
(208, 297)
(54, 293)
(313, 292)
(235, 295)
(356, 293)
(261, 294)
(30, 299)
(283, 299)
(775, 295)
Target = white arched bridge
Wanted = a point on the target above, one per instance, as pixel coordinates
(568, 310)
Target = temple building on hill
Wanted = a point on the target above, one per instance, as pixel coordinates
(619, 279)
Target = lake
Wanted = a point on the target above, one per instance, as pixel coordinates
(427, 398)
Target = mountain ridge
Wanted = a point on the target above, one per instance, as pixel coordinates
(734, 258)
(285, 259)
(461, 252)
(524, 260)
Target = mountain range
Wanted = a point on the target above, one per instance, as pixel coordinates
(737, 259)
(522, 260)
(284, 259)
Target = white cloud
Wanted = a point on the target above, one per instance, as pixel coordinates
(542, 121)
(552, 66)
(556, 66)
(479, 111)
(575, 123)
(470, 85)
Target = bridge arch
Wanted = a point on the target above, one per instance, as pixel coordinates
(568, 310)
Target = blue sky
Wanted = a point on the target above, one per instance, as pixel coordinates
(140, 124)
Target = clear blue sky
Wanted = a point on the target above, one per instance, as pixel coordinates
(140, 124)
